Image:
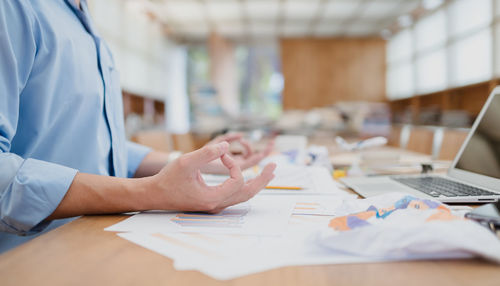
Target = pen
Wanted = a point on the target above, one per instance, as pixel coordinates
(283, 188)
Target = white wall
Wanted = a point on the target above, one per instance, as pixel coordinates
(140, 48)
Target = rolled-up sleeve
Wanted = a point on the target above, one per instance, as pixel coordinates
(135, 155)
(30, 190)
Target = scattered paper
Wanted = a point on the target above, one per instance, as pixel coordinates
(322, 225)
(226, 257)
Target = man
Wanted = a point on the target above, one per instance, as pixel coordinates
(62, 146)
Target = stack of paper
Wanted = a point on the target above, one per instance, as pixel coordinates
(239, 249)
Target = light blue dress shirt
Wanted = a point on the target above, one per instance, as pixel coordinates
(61, 112)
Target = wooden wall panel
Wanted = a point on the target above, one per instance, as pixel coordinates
(320, 72)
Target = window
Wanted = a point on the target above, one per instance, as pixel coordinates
(400, 47)
(431, 72)
(260, 79)
(456, 45)
(400, 81)
(470, 59)
(468, 15)
(430, 31)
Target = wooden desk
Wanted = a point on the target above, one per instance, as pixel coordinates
(82, 253)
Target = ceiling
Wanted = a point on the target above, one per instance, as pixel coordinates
(260, 19)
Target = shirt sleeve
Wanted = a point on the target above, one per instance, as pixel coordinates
(135, 155)
(30, 190)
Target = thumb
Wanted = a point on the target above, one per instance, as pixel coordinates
(205, 155)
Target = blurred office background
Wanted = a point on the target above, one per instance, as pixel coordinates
(192, 68)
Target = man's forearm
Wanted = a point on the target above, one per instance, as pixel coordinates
(152, 164)
(95, 194)
(178, 186)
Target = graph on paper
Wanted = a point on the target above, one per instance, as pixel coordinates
(313, 208)
(374, 215)
(259, 216)
(229, 218)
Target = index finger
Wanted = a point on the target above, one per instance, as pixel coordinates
(247, 147)
(202, 156)
(252, 187)
(230, 186)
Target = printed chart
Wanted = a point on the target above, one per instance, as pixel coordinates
(312, 208)
(259, 216)
(229, 218)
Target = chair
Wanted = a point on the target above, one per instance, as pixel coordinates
(399, 136)
(451, 143)
(421, 140)
(395, 136)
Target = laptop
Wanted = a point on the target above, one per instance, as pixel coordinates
(474, 176)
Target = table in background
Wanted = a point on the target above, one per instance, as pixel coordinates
(378, 160)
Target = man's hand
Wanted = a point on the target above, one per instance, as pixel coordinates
(247, 159)
(179, 186)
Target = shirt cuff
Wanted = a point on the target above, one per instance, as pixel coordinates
(135, 155)
(34, 194)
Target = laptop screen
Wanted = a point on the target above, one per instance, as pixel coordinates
(481, 155)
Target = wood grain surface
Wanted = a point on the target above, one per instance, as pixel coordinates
(82, 253)
(321, 72)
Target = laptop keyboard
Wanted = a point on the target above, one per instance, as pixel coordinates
(438, 186)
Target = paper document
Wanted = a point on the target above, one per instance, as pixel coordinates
(293, 147)
(321, 205)
(398, 226)
(224, 257)
(285, 230)
(260, 215)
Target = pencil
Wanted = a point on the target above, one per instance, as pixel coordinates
(283, 188)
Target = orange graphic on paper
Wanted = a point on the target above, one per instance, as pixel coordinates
(340, 223)
(442, 214)
(418, 205)
(383, 211)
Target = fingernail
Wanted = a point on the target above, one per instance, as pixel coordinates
(223, 146)
(227, 156)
